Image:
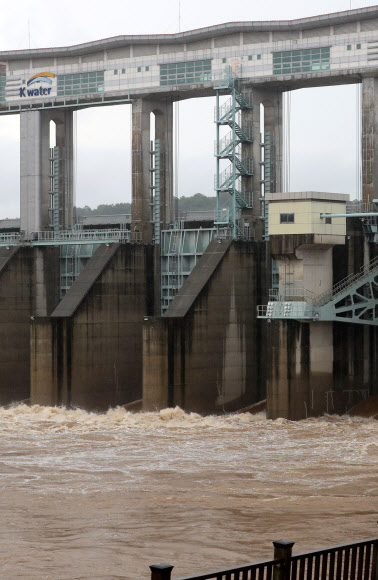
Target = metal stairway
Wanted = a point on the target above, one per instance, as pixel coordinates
(353, 300)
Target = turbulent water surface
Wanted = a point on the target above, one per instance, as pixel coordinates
(103, 496)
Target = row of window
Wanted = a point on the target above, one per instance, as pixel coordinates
(80, 84)
(288, 218)
(3, 80)
(2, 88)
(250, 57)
(349, 46)
(185, 72)
(117, 71)
(296, 61)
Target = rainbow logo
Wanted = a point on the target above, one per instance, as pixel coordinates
(44, 77)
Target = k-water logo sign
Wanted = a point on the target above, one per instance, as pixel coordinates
(44, 77)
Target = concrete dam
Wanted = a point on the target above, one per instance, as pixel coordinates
(274, 295)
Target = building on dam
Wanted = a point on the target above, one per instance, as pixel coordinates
(274, 295)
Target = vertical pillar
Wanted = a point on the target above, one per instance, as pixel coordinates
(282, 552)
(35, 168)
(34, 171)
(64, 140)
(273, 122)
(141, 210)
(272, 111)
(164, 132)
(369, 139)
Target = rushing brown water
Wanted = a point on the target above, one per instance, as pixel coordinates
(103, 496)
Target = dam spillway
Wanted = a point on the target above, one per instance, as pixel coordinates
(175, 322)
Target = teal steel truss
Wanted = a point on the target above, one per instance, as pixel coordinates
(231, 179)
(353, 300)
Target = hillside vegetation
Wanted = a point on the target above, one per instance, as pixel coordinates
(196, 202)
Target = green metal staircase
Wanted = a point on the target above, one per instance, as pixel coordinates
(228, 148)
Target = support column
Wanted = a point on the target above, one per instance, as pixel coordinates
(64, 140)
(272, 114)
(35, 169)
(273, 123)
(369, 139)
(141, 210)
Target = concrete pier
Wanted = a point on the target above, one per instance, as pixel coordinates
(141, 146)
(272, 121)
(35, 169)
(207, 353)
(88, 353)
(29, 286)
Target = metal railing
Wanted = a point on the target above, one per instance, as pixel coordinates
(357, 206)
(11, 238)
(196, 216)
(349, 561)
(352, 561)
(74, 236)
(79, 235)
(300, 310)
(287, 292)
(224, 112)
(343, 284)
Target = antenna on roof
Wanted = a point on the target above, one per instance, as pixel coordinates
(29, 32)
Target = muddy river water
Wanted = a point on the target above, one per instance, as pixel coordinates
(103, 496)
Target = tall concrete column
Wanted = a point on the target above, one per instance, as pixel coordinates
(34, 171)
(369, 139)
(35, 168)
(272, 101)
(272, 117)
(141, 138)
(64, 140)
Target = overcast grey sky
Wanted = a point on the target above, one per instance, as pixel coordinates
(323, 121)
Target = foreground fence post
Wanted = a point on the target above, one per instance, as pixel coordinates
(161, 571)
(282, 551)
(375, 562)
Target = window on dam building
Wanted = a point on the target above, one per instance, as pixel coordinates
(81, 83)
(185, 72)
(286, 218)
(2, 81)
(297, 61)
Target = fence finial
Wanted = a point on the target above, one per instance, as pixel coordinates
(161, 571)
(282, 552)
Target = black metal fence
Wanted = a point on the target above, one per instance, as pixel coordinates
(356, 561)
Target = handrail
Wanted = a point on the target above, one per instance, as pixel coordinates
(225, 572)
(352, 560)
(343, 284)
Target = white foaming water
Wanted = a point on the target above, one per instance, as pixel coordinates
(88, 495)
